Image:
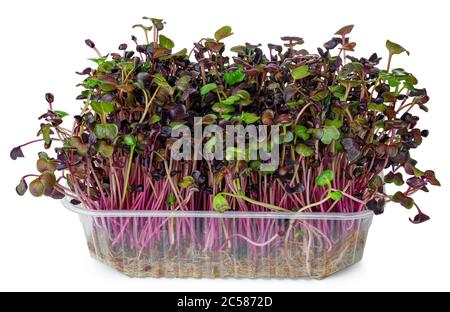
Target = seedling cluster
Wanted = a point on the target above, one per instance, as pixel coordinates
(344, 122)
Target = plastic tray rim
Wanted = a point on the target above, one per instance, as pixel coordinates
(80, 210)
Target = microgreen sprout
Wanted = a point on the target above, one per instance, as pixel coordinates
(343, 120)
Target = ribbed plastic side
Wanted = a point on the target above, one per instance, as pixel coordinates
(233, 245)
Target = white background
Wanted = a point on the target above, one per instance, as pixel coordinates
(42, 246)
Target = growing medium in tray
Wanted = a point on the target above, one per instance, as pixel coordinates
(345, 127)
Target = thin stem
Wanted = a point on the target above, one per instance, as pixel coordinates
(149, 103)
(127, 177)
(389, 62)
(255, 202)
(97, 51)
(31, 142)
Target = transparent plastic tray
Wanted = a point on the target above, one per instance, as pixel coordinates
(219, 245)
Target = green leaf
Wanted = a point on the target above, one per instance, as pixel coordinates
(234, 77)
(61, 114)
(146, 67)
(300, 72)
(375, 183)
(177, 124)
(287, 138)
(98, 60)
(106, 86)
(77, 143)
(334, 122)
(157, 22)
(145, 28)
(267, 169)
(103, 107)
(171, 200)
(231, 100)
(316, 132)
(325, 178)
(396, 178)
(106, 67)
(404, 200)
(161, 82)
(299, 234)
(223, 33)
(104, 149)
(338, 91)
(129, 140)
(243, 94)
(249, 118)
(408, 203)
(165, 42)
(220, 203)
(240, 49)
(37, 188)
(395, 48)
(221, 108)
(109, 131)
(302, 132)
(181, 53)
(393, 82)
(208, 88)
(186, 182)
(22, 187)
(380, 124)
(126, 66)
(45, 164)
(46, 131)
(330, 133)
(183, 82)
(304, 150)
(322, 95)
(336, 195)
(48, 179)
(154, 119)
(234, 153)
(377, 107)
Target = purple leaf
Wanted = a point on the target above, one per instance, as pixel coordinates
(16, 152)
(352, 148)
(420, 218)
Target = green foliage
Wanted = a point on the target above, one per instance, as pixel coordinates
(302, 132)
(220, 203)
(165, 42)
(103, 107)
(300, 72)
(249, 118)
(395, 48)
(325, 178)
(129, 140)
(304, 150)
(208, 88)
(186, 182)
(336, 196)
(234, 77)
(223, 33)
(330, 133)
(333, 113)
(108, 131)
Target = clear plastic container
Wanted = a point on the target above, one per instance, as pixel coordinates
(220, 245)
